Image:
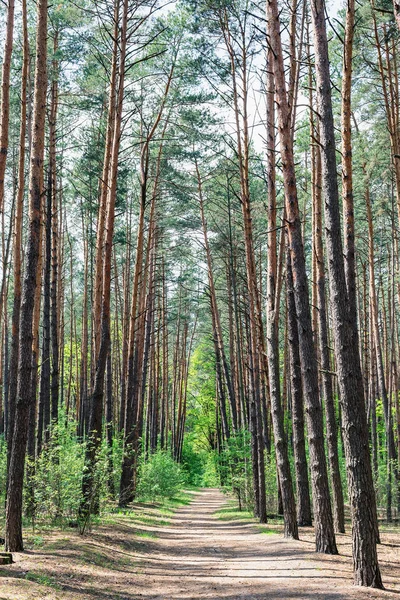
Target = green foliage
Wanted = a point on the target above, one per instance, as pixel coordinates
(210, 474)
(160, 477)
(234, 467)
(382, 479)
(43, 579)
(3, 469)
(199, 466)
(115, 460)
(57, 478)
(235, 471)
(192, 463)
(58, 474)
(201, 397)
(271, 483)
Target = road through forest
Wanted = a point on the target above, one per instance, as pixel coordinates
(195, 556)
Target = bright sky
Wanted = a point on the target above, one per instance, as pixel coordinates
(256, 105)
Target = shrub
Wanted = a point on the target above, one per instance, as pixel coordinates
(58, 474)
(210, 475)
(234, 468)
(3, 469)
(159, 477)
(194, 465)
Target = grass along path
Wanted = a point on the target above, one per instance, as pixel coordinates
(61, 564)
(203, 551)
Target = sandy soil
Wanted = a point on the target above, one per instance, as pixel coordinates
(195, 556)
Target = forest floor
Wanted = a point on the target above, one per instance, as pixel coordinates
(204, 550)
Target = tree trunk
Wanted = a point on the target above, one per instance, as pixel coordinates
(54, 325)
(5, 96)
(326, 369)
(96, 413)
(323, 521)
(45, 371)
(277, 413)
(347, 167)
(396, 7)
(17, 250)
(83, 384)
(14, 542)
(138, 304)
(385, 397)
(299, 446)
(355, 429)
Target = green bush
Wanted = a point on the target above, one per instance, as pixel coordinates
(3, 470)
(192, 466)
(234, 468)
(198, 466)
(58, 474)
(117, 453)
(159, 477)
(210, 475)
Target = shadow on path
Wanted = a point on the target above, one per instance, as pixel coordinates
(196, 556)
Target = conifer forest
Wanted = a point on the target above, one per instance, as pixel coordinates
(199, 299)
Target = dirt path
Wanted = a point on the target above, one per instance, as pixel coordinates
(196, 556)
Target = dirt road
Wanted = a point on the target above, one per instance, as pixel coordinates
(196, 556)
